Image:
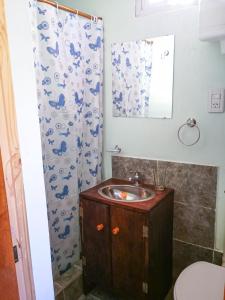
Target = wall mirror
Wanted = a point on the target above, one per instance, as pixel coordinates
(142, 78)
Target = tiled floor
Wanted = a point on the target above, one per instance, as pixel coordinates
(69, 287)
(100, 295)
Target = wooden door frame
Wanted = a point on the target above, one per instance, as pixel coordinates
(8, 282)
(11, 161)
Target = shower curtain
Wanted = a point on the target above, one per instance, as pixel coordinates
(68, 59)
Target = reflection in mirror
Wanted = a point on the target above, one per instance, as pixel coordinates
(142, 78)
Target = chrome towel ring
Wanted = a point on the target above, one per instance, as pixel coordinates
(191, 123)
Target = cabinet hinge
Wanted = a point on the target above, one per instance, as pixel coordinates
(15, 254)
(81, 213)
(84, 261)
(145, 231)
(145, 287)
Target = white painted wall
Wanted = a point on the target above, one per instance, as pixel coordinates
(20, 43)
(199, 66)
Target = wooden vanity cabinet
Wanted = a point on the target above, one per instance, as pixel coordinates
(127, 248)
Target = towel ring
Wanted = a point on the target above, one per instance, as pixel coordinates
(191, 123)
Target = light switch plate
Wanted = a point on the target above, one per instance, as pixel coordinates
(216, 101)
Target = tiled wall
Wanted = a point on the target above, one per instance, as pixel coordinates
(194, 206)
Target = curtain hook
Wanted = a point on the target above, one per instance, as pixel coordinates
(94, 19)
(57, 7)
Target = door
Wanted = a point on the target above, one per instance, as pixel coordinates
(129, 252)
(10, 156)
(8, 282)
(96, 244)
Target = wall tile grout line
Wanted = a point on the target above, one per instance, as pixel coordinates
(196, 245)
(161, 160)
(199, 206)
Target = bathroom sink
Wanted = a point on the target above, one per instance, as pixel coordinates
(129, 193)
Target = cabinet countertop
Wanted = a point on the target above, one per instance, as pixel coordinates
(144, 206)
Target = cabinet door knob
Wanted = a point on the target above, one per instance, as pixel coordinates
(115, 230)
(100, 227)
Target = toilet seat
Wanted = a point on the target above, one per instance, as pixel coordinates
(200, 281)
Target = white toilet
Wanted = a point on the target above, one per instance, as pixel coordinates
(201, 281)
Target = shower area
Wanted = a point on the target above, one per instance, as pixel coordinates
(68, 60)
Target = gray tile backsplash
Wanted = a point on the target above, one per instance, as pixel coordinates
(194, 207)
(194, 224)
(193, 184)
(185, 254)
(218, 258)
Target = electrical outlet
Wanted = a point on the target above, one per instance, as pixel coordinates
(216, 100)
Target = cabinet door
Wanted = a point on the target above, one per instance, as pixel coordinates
(96, 244)
(129, 252)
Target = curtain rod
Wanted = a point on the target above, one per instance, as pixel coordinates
(69, 9)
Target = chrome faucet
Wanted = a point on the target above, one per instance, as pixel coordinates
(136, 179)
